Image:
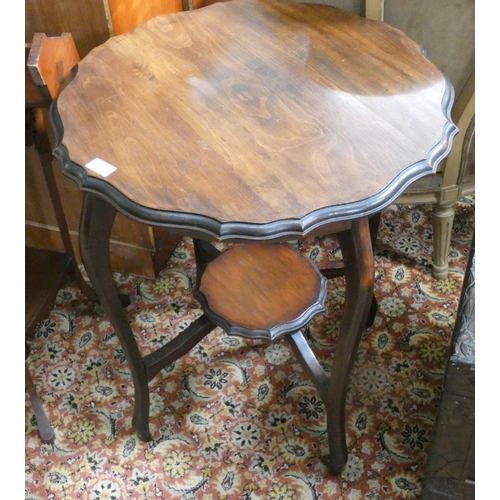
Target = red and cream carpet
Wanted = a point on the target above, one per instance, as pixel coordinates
(240, 420)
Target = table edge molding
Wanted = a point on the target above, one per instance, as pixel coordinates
(206, 227)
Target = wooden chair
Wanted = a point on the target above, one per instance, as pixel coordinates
(49, 62)
(454, 179)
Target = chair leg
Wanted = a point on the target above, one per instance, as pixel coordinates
(372, 313)
(442, 224)
(45, 430)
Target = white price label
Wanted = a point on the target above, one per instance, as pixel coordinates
(101, 167)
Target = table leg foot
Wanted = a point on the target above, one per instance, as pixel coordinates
(335, 464)
(140, 419)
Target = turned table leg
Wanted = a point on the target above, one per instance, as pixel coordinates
(95, 230)
(357, 252)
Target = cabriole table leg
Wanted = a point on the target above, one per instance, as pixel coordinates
(357, 251)
(95, 230)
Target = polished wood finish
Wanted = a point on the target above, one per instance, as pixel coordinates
(261, 291)
(234, 115)
(252, 120)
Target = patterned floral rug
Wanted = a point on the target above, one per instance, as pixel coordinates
(236, 419)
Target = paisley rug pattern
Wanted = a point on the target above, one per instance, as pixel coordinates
(236, 419)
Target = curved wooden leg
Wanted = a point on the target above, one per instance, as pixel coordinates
(374, 223)
(44, 150)
(95, 230)
(442, 226)
(357, 252)
(337, 268)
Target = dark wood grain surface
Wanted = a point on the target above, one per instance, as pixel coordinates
(254, 111)
(261, 290)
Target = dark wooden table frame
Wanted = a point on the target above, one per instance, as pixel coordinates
(356, 246)
(353, 219)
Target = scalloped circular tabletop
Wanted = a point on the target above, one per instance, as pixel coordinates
(255, 111)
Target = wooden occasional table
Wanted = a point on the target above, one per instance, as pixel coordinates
(251, 120)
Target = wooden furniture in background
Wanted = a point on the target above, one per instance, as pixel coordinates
(86, 21)
(135, 248)
(48, 64)
(454, 179)
(126, 15)
(446, 33)
(251, 134)
(94, 21)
